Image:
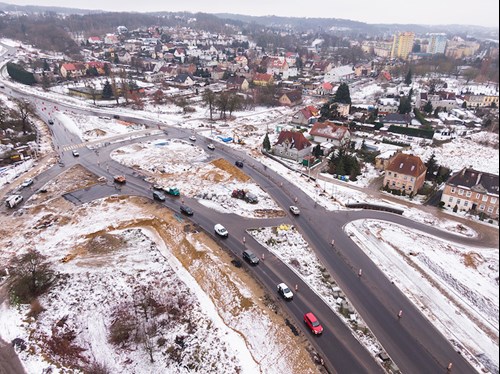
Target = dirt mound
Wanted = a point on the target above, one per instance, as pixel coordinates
(231, 169)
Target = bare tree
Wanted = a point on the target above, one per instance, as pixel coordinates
(25, 110)
(209, 98)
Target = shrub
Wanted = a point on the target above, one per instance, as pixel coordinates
(123, 326)
(97, 368)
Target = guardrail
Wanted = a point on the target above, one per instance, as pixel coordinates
(374, 207)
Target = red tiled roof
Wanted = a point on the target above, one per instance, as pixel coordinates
(295, 138)
(406, 164)
(262, 77)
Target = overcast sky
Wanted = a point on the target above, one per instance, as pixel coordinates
(431, 12)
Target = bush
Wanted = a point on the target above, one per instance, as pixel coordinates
(97, 368)
(122, 328)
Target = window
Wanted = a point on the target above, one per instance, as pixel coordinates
(450, 200)
(453, 189)
(412, 179)
(466, 203)
(493, 200)
(389, 173)
(490, 209)
(460, 191)
(481, 207)
(468, 194)
(459, 201)
(485, 197)
(478, 196)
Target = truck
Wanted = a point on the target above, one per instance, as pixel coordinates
(13, 200)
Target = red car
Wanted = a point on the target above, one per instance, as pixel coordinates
(312, 322)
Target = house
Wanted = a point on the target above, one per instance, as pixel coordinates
(472, 190)
(261, 79)
(387, 105)
(237, 83)
(73, 70)
(480, 101)
(340, 74)
(405, 172)
(397, 119)
(99, 66)
(180, 54)
(292, 145)
(305, 116)
(290, 98)
(111, 39)
(94, 40)
(329, 132)
(325, 88)
(183, 80)
(217, 73)
(241, 61)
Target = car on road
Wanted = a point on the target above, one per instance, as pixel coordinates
(116, 116)
(221, 230)
(295, 210)
(75, 153)
(186, 210)
(192, 138)
(211, 146)
(157, 195)
(27, 183)
(51, 122)
(239, 164)
(60, 163)
(312, 322)
(119, 179)
(250, 257)
(285, 292)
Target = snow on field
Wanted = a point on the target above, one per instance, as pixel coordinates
(454, 286)
(91, 127)
(117, 279)
(185, 165)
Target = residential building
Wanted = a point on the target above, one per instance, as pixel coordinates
(292, 145)
(480, 101)
(397, 119)
(305, 116)
(237, 83)
(323, 89)
(290, 98)
(472, 190)
(329, 132)
(387, 105)
(402, 45)
(405, 172)
(340, 74)
(437, 43)
(261, 79)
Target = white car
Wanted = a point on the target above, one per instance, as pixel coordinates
(295, 210)
(221, 230)
(211, 146)
(192, 138)
(75, 153)
(284, 291)
(27, 183)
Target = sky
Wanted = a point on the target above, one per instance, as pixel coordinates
(425, 12)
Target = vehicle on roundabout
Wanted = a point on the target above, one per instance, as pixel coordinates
(295, 210)
(211, 146)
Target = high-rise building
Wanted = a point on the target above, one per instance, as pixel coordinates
(402, 45)
(437, 43)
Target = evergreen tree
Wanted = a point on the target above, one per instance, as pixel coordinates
(343, 95)
(432, 167)
(107, 91)
(428, 107)
(317, 151)
(408, 78)
(404, 105)
(464, 105)
(266, 144)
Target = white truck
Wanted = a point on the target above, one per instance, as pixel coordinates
(13, 200)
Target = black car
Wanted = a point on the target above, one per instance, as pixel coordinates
(186, 210)
(250, 257)
(157, 195)
(239, 164)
